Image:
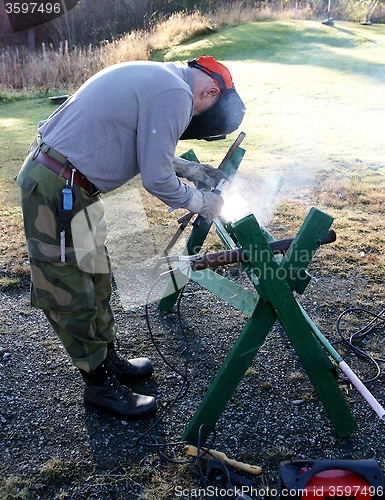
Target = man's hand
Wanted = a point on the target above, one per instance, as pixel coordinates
(206, 203)
(197, 172)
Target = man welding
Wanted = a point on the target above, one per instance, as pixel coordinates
(124, 121)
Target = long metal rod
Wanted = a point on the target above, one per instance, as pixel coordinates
(226, 257)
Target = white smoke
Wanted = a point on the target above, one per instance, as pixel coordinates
(251, 196)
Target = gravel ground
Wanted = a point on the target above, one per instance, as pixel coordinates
(52, 448)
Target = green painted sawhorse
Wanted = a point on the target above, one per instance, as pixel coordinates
(274, 278)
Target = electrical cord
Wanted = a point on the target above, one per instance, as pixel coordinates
(184, 385)
(378, 319)
(185, 382)
(201, 452)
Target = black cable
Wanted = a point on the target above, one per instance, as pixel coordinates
(378, 319)
(205, 451)
(183, 375)
(185, 382)
(184, 386)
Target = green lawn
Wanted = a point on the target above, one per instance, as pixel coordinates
(18, 128)
(314, 94)
(315, 115)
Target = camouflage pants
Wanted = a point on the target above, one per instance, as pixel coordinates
(75, 294)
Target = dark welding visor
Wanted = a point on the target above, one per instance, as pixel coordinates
(222, 119)
(226, 115)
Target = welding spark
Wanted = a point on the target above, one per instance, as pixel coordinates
(234, 208)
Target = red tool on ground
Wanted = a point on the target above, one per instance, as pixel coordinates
(331, 479)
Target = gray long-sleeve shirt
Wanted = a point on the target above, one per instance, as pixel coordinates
(127, 120)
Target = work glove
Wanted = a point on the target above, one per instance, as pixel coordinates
(206, 203)
(197, 172)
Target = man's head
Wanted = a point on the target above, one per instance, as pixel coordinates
(218, 109)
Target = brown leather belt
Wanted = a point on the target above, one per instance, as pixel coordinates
(58, 167)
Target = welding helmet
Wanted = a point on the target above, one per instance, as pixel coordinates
(227, 114)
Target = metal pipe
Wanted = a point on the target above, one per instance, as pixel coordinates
(212, 260)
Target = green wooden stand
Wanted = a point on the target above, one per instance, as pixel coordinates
(275, 278)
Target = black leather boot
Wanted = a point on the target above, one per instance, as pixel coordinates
(104, 394)
(131, 370)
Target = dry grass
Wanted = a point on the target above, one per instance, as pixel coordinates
(352, 193)
(64, 69)
(358, 210)
(178, 28)
(13, 251)
(359, 206)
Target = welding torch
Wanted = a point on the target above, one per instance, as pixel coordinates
(184, 220)
(221, 184)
